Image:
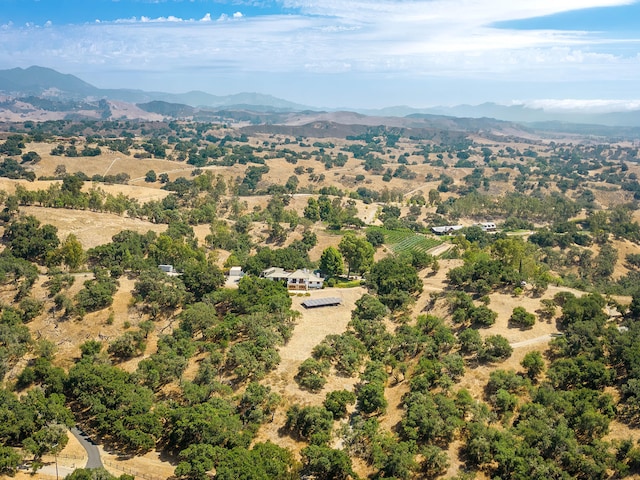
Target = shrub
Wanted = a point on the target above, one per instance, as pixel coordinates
(470, 341)
(311, 374)
(311, 423)
(483, 316)
(128, 345)
(336, 402)
(97, 293)
(495, 348)
(522, 318)
(371, 398)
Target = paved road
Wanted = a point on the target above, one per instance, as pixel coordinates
(93, 453)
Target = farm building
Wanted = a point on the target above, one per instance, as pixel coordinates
(299, 280)
(236, 272)
(445, 229)
(488, 226)
(234, 276)
(169, 270)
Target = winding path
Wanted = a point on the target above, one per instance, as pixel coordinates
(93, 453)
(533, 341)
(440, 249)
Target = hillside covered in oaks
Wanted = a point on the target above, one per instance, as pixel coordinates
(512, 353)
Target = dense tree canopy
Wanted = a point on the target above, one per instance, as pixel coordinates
(197, 388)
(331, 262)
(357, 252)
(27, 239)
(395, 282)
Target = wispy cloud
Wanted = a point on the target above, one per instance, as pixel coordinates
(479, 12)
(581, 105)
(413, 38)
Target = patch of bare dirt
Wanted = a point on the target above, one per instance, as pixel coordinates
(91, 228)
(107, 163)
(433, 284)
(151, 466)
(311, 328)
(621, 431)
(105, 325)
(624, 248)
(313, 325)
(395, 410)
(71, 457)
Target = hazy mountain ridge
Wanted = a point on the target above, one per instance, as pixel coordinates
(38, 81)
(19, 82)
(59, 91)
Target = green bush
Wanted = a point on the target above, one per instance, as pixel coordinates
(336, 402)
(312, 374)
(495, 348)
(522, 318)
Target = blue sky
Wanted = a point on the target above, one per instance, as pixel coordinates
(340, 53)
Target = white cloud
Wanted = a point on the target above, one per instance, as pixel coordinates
(407, 39)
(581, 105)
(466, 11)
(170, 18)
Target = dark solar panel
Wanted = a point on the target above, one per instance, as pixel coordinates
(321, 302)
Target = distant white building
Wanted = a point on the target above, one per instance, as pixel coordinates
(446, 229)
(236, 272)
(169, 270)
(301, 279)
(488, 226)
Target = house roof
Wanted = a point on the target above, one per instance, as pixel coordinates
(307, 275)
(277, 272)
(446, 228)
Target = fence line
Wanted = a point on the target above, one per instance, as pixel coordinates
(66, 456)
(131, 471)
(71, 456)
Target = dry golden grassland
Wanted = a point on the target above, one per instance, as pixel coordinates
(94, 228)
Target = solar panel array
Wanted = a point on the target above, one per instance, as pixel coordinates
(321, 302)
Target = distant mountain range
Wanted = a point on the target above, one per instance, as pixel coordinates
(40, 81)
(521, 114)
(59, 91)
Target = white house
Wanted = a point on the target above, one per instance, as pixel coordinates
(304, 280)
(301, 279)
